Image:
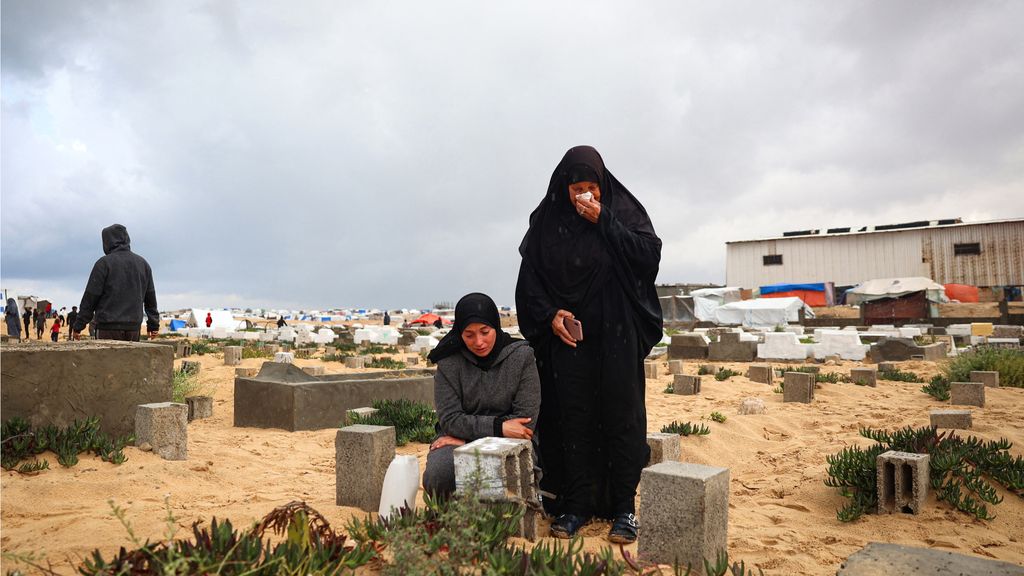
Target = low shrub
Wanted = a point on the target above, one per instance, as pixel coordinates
(686, 429)
(705, 369)
(202, 347)
(185, 384)
(718, 417)
(938, 388)
(256, 352)
(898, 375)
(413, 421)
(20, 442)
(725, 374)
(385, 362)
(378, 349)
(1008, 362)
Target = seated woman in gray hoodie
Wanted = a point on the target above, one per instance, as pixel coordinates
(486, 384)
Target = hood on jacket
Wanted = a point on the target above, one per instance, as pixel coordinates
(115, 237)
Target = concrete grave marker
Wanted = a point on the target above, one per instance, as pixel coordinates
(902, 482)
(967, 393)
(232, 355)
(798, 387)
(164, 426)
(665, 447)
(199, 407)
(954, 419)
(362, 454)
(864, 376)
(685, 384)
(760, 373)
(988, 378)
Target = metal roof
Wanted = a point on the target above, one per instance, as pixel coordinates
(887, 228)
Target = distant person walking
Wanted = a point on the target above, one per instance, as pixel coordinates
(27, 317)
(72, 316)
(209, 319)
(55, 329)
(120, 287)
(12, 320)
(40, 318)
(438, 323)
(280, 322)
(387, 318)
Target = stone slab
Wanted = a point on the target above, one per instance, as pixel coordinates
(232, 355)
(732, 351)
(246, 372)
(504, 467)
(878, 559)
(685, 384)
(798, 387)
(967, 394)
(864, 376)
(283, 396)
(989, 378)
(954, 419)
(362, 455)
(651, 370)
(760, 373)
(314, 370)
(675, 367)
(67, 381)
(685, 513)
(199, 407)
(665, 447)
(164, 426)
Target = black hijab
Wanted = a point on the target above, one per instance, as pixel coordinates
(567, 274)
(475, 307)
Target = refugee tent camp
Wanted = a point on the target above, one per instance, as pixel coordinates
(221, 319)
(763, 312)
(818, 294)
(707, 300)
(889, 299)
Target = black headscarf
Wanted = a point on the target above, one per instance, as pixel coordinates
(475, 307)
(566, 276)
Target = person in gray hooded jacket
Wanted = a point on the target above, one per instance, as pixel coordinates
(120, 287)
(486, 384)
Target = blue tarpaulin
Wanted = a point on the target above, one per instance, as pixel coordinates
(820, 287)
(177, 325)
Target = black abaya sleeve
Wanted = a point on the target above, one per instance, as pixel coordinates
(642, 249)
(533, 305)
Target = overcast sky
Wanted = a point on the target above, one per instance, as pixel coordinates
(321, 154)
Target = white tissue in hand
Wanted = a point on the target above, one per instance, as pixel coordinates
(588, 196)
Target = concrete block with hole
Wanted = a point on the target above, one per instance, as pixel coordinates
(986, 377)
(685, 384)
(665, 447)
(232, 355)
(760, 373)
(902, 482)
(864, 376)
(199, 407)
(362, 455)
(798, 387)
(190, 367)
(504, 469)
(953, 419)
(685, 513)
(164, 426)
(967, 394)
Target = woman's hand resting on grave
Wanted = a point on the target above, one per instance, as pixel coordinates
(446, 441)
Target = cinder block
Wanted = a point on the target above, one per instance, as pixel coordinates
(504, 466)
(164, 426)
(357, 362)
(729, 337)
(967, 393)
(664, 447)
(182, 349)
(902, 482)
(284, 358)
(314, 370)
(675, 367)
(651, 370)
(362, 455)
(886, 366)
(246, 372)
(199, 407)
(955, 419)
(412, 360)
(989, 379)
(760, 373)
(232, 355)
(685, 384)
(362, 412)
(864, 376)
(191, 367)
(685, 511)
(798, 387)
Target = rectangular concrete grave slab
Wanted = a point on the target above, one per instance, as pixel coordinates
(246, 372)
(687, 346)
(782, 346)
(902, 482)
(954, 419)
(685, 384)
(314, 370)
(729, 337)
(651, 370)
(760, 373)
(665, 447)
(740, 351)
(357, 362)
(887, 367)
(675, 367)
(283, 396)
(164, 426)
(363, 412)
(685, 513)
(232, 355)
(412, 360)
(864, 376)
(362, 455)
(967, 394)
(59, 383)
(988, 378)
(798, 387)
(877, 559)
(199, 407)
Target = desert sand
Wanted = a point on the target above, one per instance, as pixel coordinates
(781, 518)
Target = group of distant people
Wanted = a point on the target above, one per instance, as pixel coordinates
(36, 318)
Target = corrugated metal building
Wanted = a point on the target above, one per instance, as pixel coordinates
(984, 254)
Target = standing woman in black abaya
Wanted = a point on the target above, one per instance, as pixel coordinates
(590, 255)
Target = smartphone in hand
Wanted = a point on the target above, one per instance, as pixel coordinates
(574, 327)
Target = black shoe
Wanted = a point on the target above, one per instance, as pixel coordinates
(624, 529)
(567, 525)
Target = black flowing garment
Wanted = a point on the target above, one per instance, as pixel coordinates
(593, 422)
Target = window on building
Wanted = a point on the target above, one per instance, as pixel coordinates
(772, 259)
(965, 249)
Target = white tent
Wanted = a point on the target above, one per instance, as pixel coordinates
(895, 288)
(707, 300)
(221, 319)
(762, 312)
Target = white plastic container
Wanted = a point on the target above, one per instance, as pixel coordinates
(400, 484)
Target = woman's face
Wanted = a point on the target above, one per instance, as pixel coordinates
(581, 187)
(479, 338)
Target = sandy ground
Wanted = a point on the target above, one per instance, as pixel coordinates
(781, 517)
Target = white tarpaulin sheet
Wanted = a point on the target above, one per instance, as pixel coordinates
(707, 300)
(894, 288)
(221, 319)
(762, 312)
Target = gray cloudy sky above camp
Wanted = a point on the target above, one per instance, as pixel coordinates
(319, 154)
